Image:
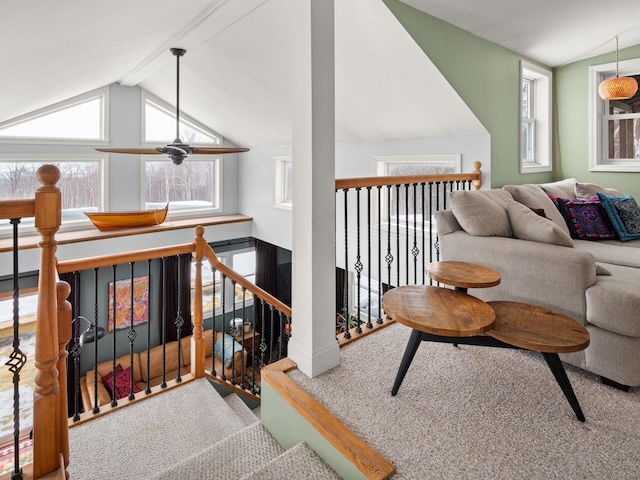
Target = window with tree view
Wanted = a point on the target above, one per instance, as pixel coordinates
(188, 187)
(80, 183)
(622, 125)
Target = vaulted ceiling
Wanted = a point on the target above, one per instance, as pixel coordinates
(237, 71)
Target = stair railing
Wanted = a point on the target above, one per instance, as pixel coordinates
(385, 237)
(50, 438)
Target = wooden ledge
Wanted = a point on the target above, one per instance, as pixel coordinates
(76, 236)
(355, 449)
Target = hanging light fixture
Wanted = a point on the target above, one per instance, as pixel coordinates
(618, 88)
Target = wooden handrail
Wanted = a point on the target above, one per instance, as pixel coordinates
(17, 209)
(243, 282)
(362, 182)
(88, 263)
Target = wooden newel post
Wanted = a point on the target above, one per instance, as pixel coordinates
(46, 418)
(63, 289)
(197, 339)
(476, 169)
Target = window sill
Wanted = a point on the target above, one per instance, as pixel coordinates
(78, 236)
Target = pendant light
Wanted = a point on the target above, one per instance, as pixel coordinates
(618, 88)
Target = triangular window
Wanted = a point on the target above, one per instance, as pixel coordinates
(81, 118)
(160, 125)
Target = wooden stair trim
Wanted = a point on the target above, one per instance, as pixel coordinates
(356, 450)
(365, 331)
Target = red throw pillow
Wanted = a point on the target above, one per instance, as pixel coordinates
(106, 379)
(122, 383)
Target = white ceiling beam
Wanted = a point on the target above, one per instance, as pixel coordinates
(217, 17)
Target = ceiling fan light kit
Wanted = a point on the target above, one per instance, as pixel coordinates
(177, 150)
(617, 88)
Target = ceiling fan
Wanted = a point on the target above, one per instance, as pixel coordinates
(177, 150)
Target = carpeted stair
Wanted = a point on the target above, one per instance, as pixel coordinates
(189, 432)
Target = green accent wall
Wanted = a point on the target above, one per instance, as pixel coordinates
(572, 104)
(487, 78)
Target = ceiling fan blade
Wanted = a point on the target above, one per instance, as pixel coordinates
(139, 151)
(217, 150)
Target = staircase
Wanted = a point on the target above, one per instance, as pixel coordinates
(189, 432)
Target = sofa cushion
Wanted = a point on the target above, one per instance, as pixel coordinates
(588, 190)
(586, 218)
(482, 212)
(528, 225)
(155, 358)
(563, 188)
(534, 197)
(612, 251)
(613, 301)
(624, 214)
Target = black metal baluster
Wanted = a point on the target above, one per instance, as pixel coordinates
(253, 349)
(358, 264)
(234, 333)
(163, 280)
(223, 294)
(17, 358)
(179, 321)
(422, 213)
(406, 229)
(436, 244)
(415, 251)
(398, 256)
(379, 319)
(263, 343)
(148, 389)
(369, 324)
(214, 333)
(114, 399)
(347, 333)
(96, 408)
(132, 332)
(76, 349)
(271, 333)
(389, 257)
(243, 366)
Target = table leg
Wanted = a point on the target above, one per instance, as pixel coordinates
(463, 290)
(555, 364)
(407, 358)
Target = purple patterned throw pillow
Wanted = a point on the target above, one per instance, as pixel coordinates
(586, 219)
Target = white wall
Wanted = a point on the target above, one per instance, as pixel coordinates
(273, 224)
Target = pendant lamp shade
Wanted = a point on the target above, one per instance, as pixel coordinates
(618, 88)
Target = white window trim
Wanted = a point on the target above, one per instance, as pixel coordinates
(381, 163)
(103, 197)
(598, 159)
(218, 174)
(542, 103)
(170, 110)
(104, 128)
(278, 184)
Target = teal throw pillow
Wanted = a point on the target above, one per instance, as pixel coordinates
(230, 349)
(624, 213)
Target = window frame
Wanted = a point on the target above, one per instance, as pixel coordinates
(598, 129)
(81, 223)
(540, 106)
(147, 97)
(381, 164)
(229, 301)
(102, 93)
(192, 212)
(279, 184)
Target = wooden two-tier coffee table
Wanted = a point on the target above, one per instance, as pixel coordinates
(444, 315)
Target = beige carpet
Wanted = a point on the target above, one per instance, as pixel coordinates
(478, 412)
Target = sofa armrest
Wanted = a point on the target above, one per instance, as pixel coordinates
(531, 272)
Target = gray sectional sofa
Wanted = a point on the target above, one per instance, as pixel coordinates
(596, 282)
